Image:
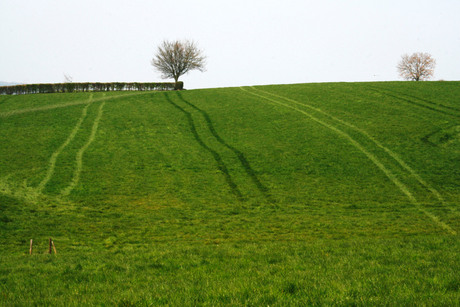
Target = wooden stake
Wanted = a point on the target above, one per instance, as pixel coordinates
(54, 247)
(30, 249)
(51, 242)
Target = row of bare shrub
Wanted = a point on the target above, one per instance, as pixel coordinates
(88, 87)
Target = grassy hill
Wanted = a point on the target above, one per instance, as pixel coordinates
(335, 193)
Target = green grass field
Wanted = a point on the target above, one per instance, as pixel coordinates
(308, 194)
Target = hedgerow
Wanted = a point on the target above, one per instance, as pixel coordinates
(88, 87)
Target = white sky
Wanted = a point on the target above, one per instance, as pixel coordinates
(247, 42)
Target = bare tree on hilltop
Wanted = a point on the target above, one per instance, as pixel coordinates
(176, 58)
(416, 67)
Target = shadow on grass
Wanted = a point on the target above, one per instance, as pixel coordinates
(220, 163)
(244, 162)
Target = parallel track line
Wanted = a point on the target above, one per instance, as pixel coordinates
(392, 154)
(55, 155)
(79, 156)
(369, 155)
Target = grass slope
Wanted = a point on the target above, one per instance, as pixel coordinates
(340, 193)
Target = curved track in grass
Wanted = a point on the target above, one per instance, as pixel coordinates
(404, 189)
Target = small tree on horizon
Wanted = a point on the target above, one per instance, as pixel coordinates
(416, 67)
(176, 58)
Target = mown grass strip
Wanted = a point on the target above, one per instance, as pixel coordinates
(369, 155)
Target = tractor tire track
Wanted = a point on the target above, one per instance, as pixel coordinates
(55, 155)
(44, 108)
(241, 157)
(363, 132)
(368, 154)
(441, 105)
(220, 163)
(79, 156)
(65, 105)
(413, 102)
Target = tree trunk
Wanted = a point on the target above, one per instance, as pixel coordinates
(176, 84)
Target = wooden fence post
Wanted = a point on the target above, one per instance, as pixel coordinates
(54, 247)
(30, 249)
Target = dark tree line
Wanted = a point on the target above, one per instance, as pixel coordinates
(87, 87)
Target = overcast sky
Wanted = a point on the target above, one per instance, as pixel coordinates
(247, 42)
